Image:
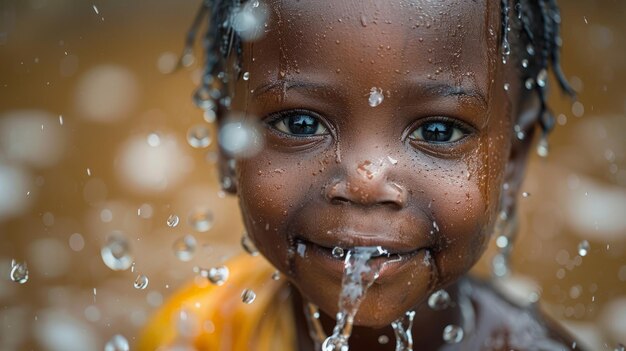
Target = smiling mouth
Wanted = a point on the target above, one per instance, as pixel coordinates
(340, 252)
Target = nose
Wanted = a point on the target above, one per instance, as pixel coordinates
(367, 183)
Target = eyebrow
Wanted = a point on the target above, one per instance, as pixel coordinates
(427, 88)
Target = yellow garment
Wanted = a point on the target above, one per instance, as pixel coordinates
(206, 317)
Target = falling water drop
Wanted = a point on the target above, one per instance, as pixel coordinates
(525, 194)
(153, 139)
(530, 49)
(201, 220)
(116, 253)
(248, 245)
(583, 248)
(375, 97)
(439, 300)
(383, 339)
(337, 252)
(117, 343)
(529, 83)
(507, 86)
(185, 248)
(199, 136)
(141, 282)
(246, 75)
(172, 221)
(218, 275)
(19, 272)
(525, 63)
(248, 296)
(452, 334)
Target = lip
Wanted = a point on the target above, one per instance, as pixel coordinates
(390, 264)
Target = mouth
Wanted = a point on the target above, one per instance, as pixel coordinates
(389, 257)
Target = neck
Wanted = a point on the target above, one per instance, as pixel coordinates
(428, 326)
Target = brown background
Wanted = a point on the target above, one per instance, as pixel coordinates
(62, 58)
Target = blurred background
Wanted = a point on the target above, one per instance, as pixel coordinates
(109, 194)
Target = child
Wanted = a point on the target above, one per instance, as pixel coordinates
(399, 124)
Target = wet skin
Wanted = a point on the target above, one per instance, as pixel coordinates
(420, 174)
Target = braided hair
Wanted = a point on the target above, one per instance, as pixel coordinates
(529, 29)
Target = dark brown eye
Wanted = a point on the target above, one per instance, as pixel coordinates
(300, 124)
(438, 132)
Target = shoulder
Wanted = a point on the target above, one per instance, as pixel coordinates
(503, 324)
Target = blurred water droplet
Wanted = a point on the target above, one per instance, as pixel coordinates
(185, 248)
(452, 334)
(117, 343)
(199, 136)
(61, 119)
(375, 97)
(89, 172)
(439, 300)
(19, 272)
(248, 245)
(578, 109)
(337, 252)
(241, 138)
(383, 339)
(529, 83)
(276, 275)
(246, 75)
(116, 253)
(519, 133)
(249, 19)
(507, 86)
(525, 194)
(201, 220)
(218, 275)
(525, 63)
(620, 347)
(248, 296)
(583, 248)
(543, 147)
(172, 221)
(153, 139)
(141, 282)
(530, 49)
(542, 78)
(502, 242)
(95, 9)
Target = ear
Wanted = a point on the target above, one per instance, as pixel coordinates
(522, 140)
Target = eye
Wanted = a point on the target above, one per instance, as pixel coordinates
(438, 131)
(299, 123)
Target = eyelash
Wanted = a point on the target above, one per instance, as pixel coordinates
(281, 116)
(453, 123)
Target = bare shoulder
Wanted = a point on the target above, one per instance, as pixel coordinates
(502, 324)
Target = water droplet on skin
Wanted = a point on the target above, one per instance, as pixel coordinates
(19, 272)
(116, 253)
(201, 220)
(246, 75)
(439, 300)
(507, 86)
(172, 221)
(218, 275)
(583, 248)
(338, 252)
(141, 282)
(452, 334)
(185, 248)
(248, 246)
(383, 339)
(525, 194)
(375, 97)
(543, 147)
(117, 343)
(363, 21)
(276, 275)
(199, 136)
(248, 296)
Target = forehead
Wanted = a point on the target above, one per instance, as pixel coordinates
(376, 42)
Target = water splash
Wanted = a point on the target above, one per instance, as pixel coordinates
(19, 272)
(402, 329)
(141, 282)
(358, 275)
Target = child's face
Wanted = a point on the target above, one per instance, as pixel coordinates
(420, 174)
